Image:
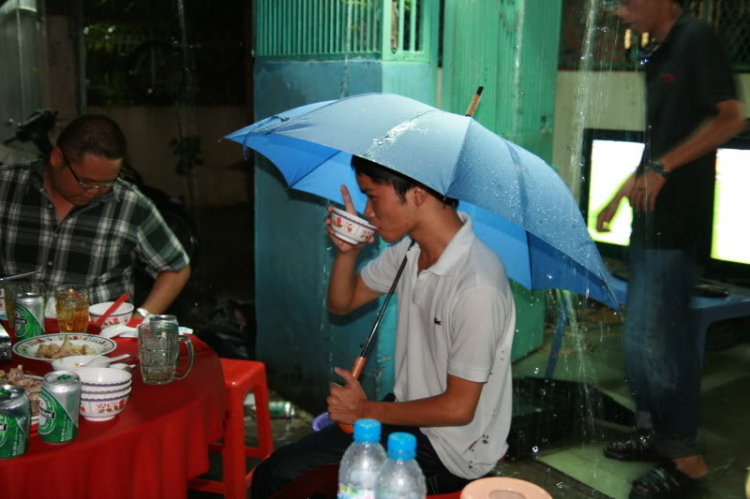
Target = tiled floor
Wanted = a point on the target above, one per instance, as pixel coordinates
(569, 464)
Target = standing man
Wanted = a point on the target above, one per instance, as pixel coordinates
(691, 108)
(77, 222)
(456, 319)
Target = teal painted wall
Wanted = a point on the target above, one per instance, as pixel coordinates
(297, 338)
(510, 48)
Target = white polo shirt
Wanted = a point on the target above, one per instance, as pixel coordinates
(456, 317)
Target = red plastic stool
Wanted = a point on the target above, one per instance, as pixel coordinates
(240, 378)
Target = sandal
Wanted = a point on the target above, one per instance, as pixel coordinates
(663, 482)
(638, 448)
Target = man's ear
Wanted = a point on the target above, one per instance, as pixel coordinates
(56, 158)
(420, 195)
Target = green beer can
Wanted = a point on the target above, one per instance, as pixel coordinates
(59, 407)
(29, 315)
(15, 421)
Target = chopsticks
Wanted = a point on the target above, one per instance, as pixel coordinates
(19, 276)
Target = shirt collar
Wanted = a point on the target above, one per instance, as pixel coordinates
(456, 248)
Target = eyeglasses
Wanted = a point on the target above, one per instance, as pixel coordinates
(86, 185)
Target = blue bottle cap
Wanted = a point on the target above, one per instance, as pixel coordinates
(402, 445)
(367, 430)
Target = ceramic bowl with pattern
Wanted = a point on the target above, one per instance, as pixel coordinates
(104, 379)
(350, 228)
(103, 409)
(49, 347)
(122, 315)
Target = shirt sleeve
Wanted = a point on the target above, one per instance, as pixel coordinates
(158, 248)
(477, 326)
(712, 75)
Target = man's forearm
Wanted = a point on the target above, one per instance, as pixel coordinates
(716, 131)
(343, 282)
(166, 288)
(428, 412)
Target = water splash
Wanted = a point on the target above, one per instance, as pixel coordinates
(186, 96)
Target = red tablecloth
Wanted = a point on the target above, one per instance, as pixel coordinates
(150, 450)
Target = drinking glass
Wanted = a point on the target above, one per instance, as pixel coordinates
(72, 308)
(16, 287)
(158, 351)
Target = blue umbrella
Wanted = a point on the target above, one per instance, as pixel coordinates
(520, 206)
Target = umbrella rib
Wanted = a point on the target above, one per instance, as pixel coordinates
(460, 152)
(335, 152)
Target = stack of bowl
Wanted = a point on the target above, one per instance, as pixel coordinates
(105, 392)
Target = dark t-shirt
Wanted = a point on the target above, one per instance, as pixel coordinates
(686, 77)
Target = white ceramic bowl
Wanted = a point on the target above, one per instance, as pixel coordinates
(96, 391)
(74, 362)
(106, 395)
(122, 315)
(103, 409)
(104, 379)
(350, 228)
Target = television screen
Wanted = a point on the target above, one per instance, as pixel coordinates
(611, 163)
(731, 232)
(611, 155)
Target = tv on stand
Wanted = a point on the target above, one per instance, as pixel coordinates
(611, 155)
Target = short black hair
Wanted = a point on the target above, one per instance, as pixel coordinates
(401, 183)
(95, 134)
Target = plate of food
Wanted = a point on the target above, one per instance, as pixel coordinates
(56, 346)
(32, 384)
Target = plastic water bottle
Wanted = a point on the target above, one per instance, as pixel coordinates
(361, 462)
(400, 477)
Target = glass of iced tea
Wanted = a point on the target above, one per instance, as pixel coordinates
(72, 306)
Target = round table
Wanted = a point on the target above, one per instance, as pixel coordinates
(150, 450)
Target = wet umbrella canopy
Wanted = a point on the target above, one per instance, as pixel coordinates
(520, 206)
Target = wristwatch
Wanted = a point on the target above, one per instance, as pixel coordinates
(144, 313)
(657, 167)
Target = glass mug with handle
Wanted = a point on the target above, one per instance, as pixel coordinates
(158, 351)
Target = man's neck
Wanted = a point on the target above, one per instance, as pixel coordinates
(434, 233)
(668, 19)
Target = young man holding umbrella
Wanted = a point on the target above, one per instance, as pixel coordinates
(456, 319)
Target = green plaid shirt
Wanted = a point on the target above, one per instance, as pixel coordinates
(95, 245)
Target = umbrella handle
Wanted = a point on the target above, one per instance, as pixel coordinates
(474, 102)
(359, 366)
(361, 360)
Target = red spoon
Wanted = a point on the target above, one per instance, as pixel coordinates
(111, 309)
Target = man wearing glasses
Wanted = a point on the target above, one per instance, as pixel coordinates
(77, 222)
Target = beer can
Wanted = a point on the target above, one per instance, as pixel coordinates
(15, 421)
(29, 315)
(59, 407)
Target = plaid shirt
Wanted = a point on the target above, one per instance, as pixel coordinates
(95, 245)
